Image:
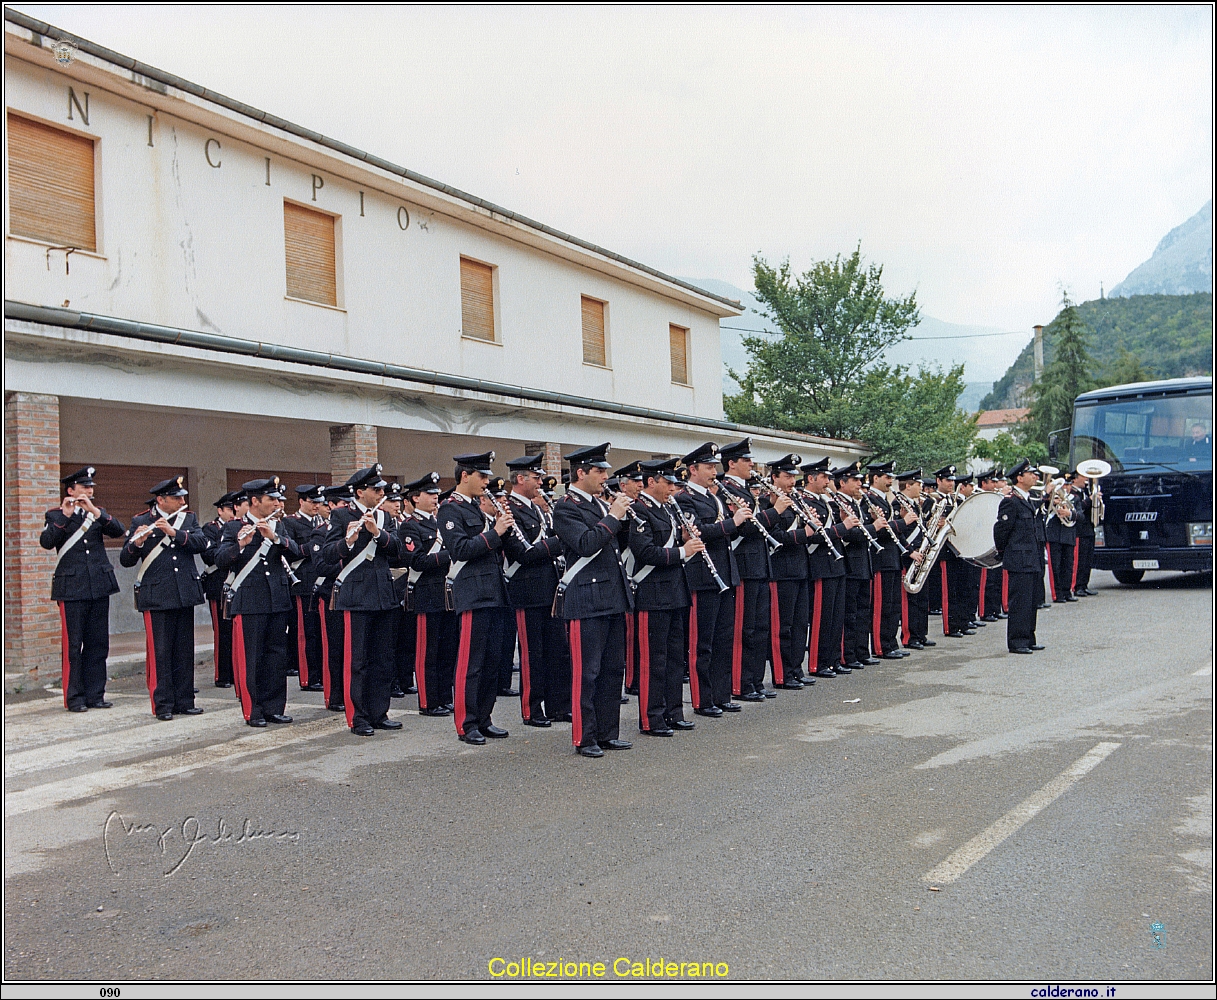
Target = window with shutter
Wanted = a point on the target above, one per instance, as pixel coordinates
(477, 300)
(679, 338)
(593, 332)
(311, 264)
(50, 184)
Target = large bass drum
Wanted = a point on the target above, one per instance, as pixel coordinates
(972, 539)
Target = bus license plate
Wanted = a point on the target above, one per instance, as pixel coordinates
(1145, 564)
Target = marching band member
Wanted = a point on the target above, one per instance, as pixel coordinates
(1083, 553)
(915, 608)
(950, 571)
(788, 604)
(360, 543)
(304, 631)
(861, 543)
(885, 593)
(532, 579)
(474, 541)
(712, 615)
(82, 584)
(825, 573)
(1061, 532)
(163, 542)
(660, 546)
(333, 623)
(403, 636)
(231, 505)
(593, 598)
(427, 564)
(255, 551)
(1017, 536)
(627, 480)
(992, 583)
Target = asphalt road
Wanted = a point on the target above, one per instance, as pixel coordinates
(1061, 804)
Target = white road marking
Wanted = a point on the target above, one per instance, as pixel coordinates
(980, 845)
(1204, 671)
(111, 779)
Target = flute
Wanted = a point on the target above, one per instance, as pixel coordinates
(357, 525)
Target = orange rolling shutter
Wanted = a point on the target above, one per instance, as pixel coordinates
(309, 241)
(477, 300)
(679, 338)
(593, 332)
(50, 183)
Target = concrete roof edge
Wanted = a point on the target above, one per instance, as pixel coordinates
(44, 29)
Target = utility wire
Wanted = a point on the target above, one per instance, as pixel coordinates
(963, 336)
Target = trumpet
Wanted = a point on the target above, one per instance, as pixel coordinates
(690, 526)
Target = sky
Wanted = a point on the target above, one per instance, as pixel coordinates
(985, 157)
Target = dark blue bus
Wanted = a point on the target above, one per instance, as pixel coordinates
(1158, 438)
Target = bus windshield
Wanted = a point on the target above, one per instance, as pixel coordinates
(1172, 432)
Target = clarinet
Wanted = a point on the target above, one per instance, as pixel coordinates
(515, 528)
(846, 508)
(904, 549)
(772, 543)
(809, 516)
(690, 526)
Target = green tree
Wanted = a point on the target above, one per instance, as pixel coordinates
(835, 321)
(823, 374)
(1068, 375)
(1003, 451)
(1124, 369)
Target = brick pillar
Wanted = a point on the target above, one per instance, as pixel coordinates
(31, 487)
(553, 458)
(352, 447)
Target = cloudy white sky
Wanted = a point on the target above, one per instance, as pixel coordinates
(983, 156)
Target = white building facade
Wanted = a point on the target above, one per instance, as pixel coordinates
(195, 287)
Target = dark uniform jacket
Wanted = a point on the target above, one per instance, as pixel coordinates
(876, 504)
(324, 569)
(1054, 530)
(663, 587)
(717, 531)
(587, 529)
(1083, 504)
(172, 579)
(266, 589)
(368, 587)
(84, 573)
(212, 576)
(426, 569)
(751, 548)
(1016, 535)
(470, 538)
(534, 579)
(300, 528)
(857, 549)
(821, 563)
(790, 561)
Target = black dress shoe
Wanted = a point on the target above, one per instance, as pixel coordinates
(713, 711)
(223, 684)
(435, 710)
(508, 693)
(893, 655)
(192, 710)
(336, 708)
(312, 687)
(770, 694)
(854, 665)
(473, 737)
(1058, 600)
(85, 708)
(561, 717)
(682, 724)
(989, 618)
(625, 700)
(590, 751)
(397, 692)
(1021, 649)
(914, 644)
(870, 661)
(387, 724)
(412, 689)
(493, 732)
(658, 732)
(841, 668)
(1043, 607)
(969, 631)
(729, 707)
(363, 729)
(1002, 615)
(196, 690)
(980, 623)
(1036, 646)
(165, 716)
(279, 720)
(1071, 599)
(102, 704)
(791, 685)
(825, 672)
(256, 723)
(954, 635)
(539, 721)
(615, 744)
(293, 672)
(751, 696)
(928, 642)
(448, 705)
(632, 690)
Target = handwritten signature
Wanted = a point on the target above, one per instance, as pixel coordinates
(180, 840)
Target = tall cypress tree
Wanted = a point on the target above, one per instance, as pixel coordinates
(1064, 378)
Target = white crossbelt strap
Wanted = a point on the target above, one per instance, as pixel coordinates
(435, 547)
(646, 571)
(76, 537)
(157, 549)
(234, 582)
(510, 569)
(366, 554)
